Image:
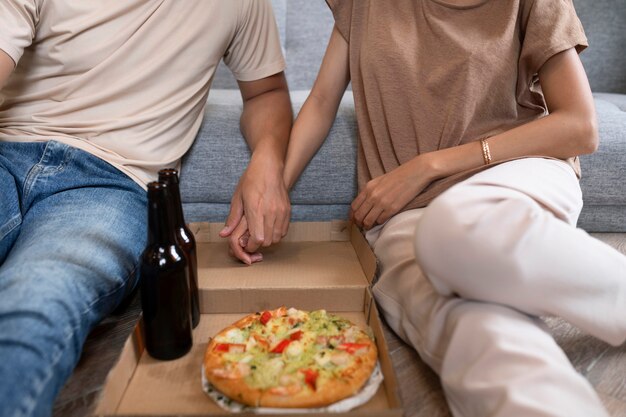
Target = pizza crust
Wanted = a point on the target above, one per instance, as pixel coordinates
(232, 388)
(330, 387)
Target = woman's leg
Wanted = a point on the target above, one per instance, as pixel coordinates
(74, 260)
(510, 233)
(492, 360)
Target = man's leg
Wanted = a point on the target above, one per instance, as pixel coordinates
(10, 211)
(493, 360)
(511, 233)
(76, 257)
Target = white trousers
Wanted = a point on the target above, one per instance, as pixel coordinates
(465, 279)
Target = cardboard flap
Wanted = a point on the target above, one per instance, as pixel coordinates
(318, 258)
(121, 375)
(368, 260)
(391, 384)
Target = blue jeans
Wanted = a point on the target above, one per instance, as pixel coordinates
(72, 230)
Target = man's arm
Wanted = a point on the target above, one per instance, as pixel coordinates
(261, 194)
(6, 67)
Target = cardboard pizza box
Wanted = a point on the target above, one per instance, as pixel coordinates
(325, 265)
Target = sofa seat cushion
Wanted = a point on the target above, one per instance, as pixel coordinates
(219, 156)
(217, 212)
(604, 172)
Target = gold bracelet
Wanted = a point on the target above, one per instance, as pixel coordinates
(486, 151)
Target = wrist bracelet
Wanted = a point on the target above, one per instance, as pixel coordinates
(486, 151)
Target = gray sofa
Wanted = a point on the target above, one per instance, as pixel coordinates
(218, 157)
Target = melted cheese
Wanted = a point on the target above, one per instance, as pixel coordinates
(294, 350)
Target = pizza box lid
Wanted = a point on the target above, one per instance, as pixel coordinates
(321, 260)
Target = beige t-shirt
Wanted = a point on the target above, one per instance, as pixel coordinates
(428, 74)
(126, 80)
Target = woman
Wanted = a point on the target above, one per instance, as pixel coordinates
(471, 114)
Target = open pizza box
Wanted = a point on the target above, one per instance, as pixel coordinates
(325, 265)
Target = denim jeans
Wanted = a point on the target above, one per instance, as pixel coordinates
(72, 230)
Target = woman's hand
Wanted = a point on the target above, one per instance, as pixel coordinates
(386, 195)
(237, 242)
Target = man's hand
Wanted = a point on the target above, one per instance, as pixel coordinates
(261, 194)
(386, 195)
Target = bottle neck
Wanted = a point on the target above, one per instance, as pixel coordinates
(160, 219)
(170, 177)
(177, 207)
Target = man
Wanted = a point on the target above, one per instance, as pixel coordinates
(97, 97)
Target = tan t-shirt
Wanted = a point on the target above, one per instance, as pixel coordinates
(429, 75)
(126, 80)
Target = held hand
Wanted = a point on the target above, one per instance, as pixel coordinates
(237, 242)
(386, 195)
(262, 196)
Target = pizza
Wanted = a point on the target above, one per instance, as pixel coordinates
(290, 358)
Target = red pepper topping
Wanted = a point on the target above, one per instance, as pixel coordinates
(352, 347)
(310, 377)
(296, 335)
(265, 317)
(222, 347)
(280, 347)
(230, 347)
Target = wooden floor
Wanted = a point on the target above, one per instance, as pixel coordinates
(603, 365)
(421, 392)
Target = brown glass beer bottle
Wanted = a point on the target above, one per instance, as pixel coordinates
(185, 239)
(164, 282)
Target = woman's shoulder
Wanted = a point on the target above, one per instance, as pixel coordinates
(342, 12)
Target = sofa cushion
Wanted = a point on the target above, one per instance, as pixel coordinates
(604, 172)
(310, 24)
(217, 212)
(219, 156)
(605, 59)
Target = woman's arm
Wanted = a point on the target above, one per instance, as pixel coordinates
(569, 130)
(319, 110)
